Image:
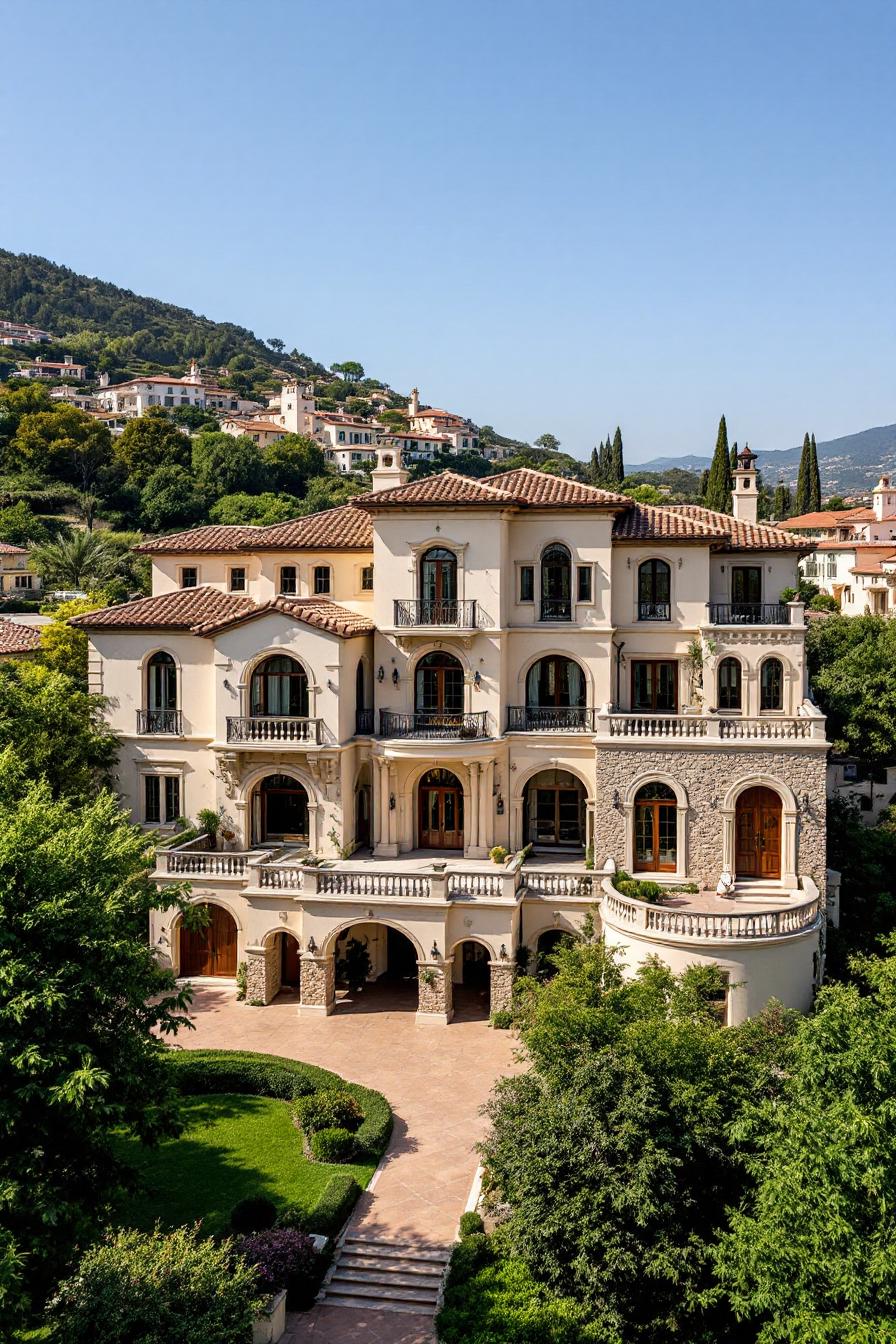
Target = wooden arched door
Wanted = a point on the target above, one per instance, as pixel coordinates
(212, 950)
(441, 811)
(758, 834)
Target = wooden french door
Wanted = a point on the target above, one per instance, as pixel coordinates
(441, 811)
(290, 960)
(557, 816)
(212, 950)
(656, 830)
(758, 834)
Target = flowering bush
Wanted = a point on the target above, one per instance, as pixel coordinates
(283, 1257)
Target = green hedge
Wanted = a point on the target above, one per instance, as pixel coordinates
(334, 1206)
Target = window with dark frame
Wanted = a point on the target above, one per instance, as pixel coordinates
(238, 580)
(189, 576)
(584, 584)
(771, 685)
(288, 583)
(321, 580)
(654, 591)
(654, 686)
(729, 688)
(367, 579)
(527, 583)
(152, 798)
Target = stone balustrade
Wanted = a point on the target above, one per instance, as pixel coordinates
(549, 882)
(695, 925)
(805, 726)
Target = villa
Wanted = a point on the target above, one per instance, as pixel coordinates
(374, 697)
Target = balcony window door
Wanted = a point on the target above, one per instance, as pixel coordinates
(656, 829)
(554, 804)
(161, 683)
(654, 591)
(439, 685)
(438, 587)
(280, 810)
(441, 804)
(771, 685)
(556, 584)
(279, 686)
(555, 692)
(654, 686)
(730, 694)
(746, 585)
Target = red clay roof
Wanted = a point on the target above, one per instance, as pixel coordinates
(543, 488)
(828, 518)
(690, 522)
(205, 611)
(342, 528)
(6, 549)
(522, 488)
(852, 544)
(16, 638)
(212, 538)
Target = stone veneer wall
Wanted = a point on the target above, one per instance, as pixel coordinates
(501, 988)
(263, 972)
(708, 775)
(318, 981)
(437, 997)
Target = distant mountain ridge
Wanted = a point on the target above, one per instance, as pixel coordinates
(848, 464)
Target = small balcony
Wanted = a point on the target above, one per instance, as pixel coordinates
(444, 614)
(749, 613)
(166, 722)
(654, 611)
(556, 609)
(549, 719)
(438, 724)
(363, 722)
(274, 730)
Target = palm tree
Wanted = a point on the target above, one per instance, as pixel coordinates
(81, 560)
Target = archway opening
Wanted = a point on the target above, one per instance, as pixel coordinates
(471, 975)
(656, 829)
(440, 811)
(210, 950)
(554, 811)
(280, 811)
(289, 955)
(279, 687)
(547, 945)
(757, 828)
(376, 969)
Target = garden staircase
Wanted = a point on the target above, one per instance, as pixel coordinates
(386, 1275)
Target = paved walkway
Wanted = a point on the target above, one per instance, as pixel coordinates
(435, 1078)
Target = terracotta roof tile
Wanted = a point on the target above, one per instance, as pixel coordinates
(690, 522)
(16, 638)
(543, 488)
(648, 522)
(317, 611)
(205, 611)
(742, 535)
(342, 528)
(827, 518)
(522, 488)
(212, 538)
(6, 549)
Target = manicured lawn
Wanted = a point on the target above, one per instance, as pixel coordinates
(232, 1146)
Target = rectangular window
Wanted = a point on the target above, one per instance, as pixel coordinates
(367, 579)
(654, 687)
(189, 576)
(321, 580)
(746, 584)
(527, 583)
(161, 798)
(172, 797)
(22, 581)
(288, 584)
(238, 580)
(152, 798)
(584, 584)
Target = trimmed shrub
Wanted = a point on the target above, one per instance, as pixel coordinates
(254, 1214)
(333, 1145)
(200, 1072)
(469, 1255)
(373, 1135)
(330, 1109)
(139, 1288)
(470, 1224)
(639, 891)
(293, 1216)
(498, 854)
(283, 1257)
(334, 1205)
(502, 1019)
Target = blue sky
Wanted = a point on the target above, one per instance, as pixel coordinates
(549, 217)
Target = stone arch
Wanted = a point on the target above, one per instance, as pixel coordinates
(526, 667)
(174, 930)
(789, 823)
(474, 938)
(328, 946)
(252, 781)
(518, 794)
(439, 646)
(682, 809)
(251, 666)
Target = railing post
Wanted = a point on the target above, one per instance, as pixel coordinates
(796, 613)
(438, 885)
(310, 883)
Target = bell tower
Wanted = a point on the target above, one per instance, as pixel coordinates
(744, 496)
(388, 472)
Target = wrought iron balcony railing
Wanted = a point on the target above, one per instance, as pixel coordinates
(549, 719)
(274, 728)
(749, 613)
(364, 722)
(434, 723)
(169, 721)
(462, 615)
(553, 609)
(654, 611)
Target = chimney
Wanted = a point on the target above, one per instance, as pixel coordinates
(883, 499)
(388, 471)
(414, 403)
(745, 501)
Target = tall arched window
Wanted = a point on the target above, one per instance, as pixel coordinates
(654, 591)
(555, 694)
(161, 714)
(729, 686)
(656, 829)
(438, 587)
(771, 684)
(279, 686)
(556, 583)
(439, 684)
(363, 712)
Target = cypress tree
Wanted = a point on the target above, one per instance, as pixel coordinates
(734, 456)
(617, 466)
(594, 468)
(718, 487)
(814, 478)
(604, 463)
(782, 503)
(704, 482)
(801, 503)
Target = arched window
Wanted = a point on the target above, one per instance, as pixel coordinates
(280, 810)
(556, 583)
(555, 694)
(771, 684)
(439, 684)
(729, 684)
(438, 587)
(279, 686)
(656, 829)
(161, 682)
(654, 591)
(363, 713)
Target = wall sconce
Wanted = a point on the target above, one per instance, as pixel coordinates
(395, 676)
(227, 685)
(391, 802)
(284, 915)
(312, 947)
(680, 562)
(477, 679)
(434, 953)
(616, 799)
(500, 806)
(503, 953)
(381, 673)
(805, 805)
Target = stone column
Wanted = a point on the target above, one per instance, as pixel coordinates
(262, 973)
(487, 807)
(375, 818)
(318, 985)
(436, 1002)
(501, 996)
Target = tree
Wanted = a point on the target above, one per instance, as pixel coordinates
(20, 527)
(704, 483)
(63, 444)
(254, 510)
(594, 475)
(63, 647)
(276, 344)
(327, 492)
(865, 857)
(782, 503)
(852, 669)
(733, 456)
(803, 485)
(809, 1255)
(56, 729)
(549, 442)
(80, 560)
(151, 441)
(292, 461)
(224, 465)
(192, 417)
(719, 485)
(170, 498)
(617, 465)
(351, 370)
(835, 503)
(814, 478)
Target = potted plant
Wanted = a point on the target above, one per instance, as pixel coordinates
(209, 823)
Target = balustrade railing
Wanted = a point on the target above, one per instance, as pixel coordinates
(364, 722)
(700, 925)
(544, 882)
(549, 719)
(426, 611)
(280, 877)
(471, 885)
(203, 862)
(654, 611)
(556, 609)
(436, 723)
(170, 721)
(274, 728)
(357, 882)
(656, 725)
(771, 729)
(749, 613)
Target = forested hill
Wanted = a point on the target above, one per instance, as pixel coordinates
(119, 330)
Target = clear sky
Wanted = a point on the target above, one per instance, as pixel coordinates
(548, 216)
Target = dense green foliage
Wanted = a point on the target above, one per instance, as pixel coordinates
(865, 857)
(808, 483)
(56, 730)
(719, 482)
(852, 669)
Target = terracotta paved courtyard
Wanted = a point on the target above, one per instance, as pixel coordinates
(435, 1079)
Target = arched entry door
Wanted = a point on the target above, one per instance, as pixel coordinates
(212, 950)
(441, 804)
(280, 810)
(554, 804)
(758, 834)
(290, 961)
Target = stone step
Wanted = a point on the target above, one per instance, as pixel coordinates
(373, 1292)
(384, 1265)
(400, 1249)
(337, 1300)
(387, 1278)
